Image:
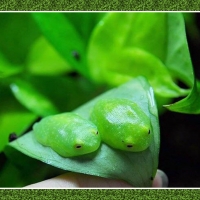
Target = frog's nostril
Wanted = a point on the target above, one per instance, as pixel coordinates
(78, 146)
(129, 145)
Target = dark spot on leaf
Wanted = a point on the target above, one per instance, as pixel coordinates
(12, 137)
(129, 145)
(78, 146)
(97, 132)
(151, 178)
(149, 131)
(76, 55)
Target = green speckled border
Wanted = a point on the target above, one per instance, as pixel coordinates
(99, 5)
(171, 194)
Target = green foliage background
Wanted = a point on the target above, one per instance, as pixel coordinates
(47, 70)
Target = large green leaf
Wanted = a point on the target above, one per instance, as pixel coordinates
(132, 29)
(136, 168)
(125, 45)
(178, 59)
(64, 37)
(144, 64)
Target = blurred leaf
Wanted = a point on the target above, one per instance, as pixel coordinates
(13, 117)
(66, 93)
(45, 95)
(178, 59)
(28, 96)
(145, 64)
(192, 28)
(10, 176)
(124, 30)
(135, 168)
(84, 22)
(7, 69)
(64, 37)
(18, 32)
(43, 59)
(188, 17)
(18, 173)
(128, 51)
